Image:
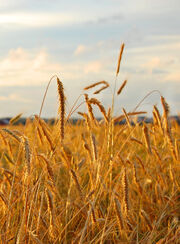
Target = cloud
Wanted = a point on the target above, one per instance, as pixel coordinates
(159, 44)
(93, 67)
(81, 49)
(14, 97)
(39, 19)
(153, 63)
(25, 72)
(115, 18)
(21, 67)
(158, 56)
(97, 48)
(150, 65)
(161, 67)
(26, 68)
(173, 77)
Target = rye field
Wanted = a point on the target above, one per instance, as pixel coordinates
(93, 181)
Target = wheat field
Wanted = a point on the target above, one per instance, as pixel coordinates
(92, 182)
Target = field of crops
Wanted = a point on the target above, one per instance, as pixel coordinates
(93, 182)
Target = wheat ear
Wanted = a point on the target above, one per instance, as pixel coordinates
(101, 89)
(121, 87)
(100, 106)
(176, 149)
(96, 84)
(15, 119)
(11, 133)
(119, 214)
(147, 139)
(125, 191)
(158, 117)
(127, 118)
(86, 147)
(27, 154)
(94, 149)
(49, 199)
(119, 59)
(61, 107)
(49, 168)
(91, 115)
(167, 127)
(86, 117)
(45, 131)
(136, 179)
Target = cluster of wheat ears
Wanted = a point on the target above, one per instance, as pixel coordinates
(93, 182)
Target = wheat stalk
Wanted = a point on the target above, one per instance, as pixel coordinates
(3, 138)
(121, 117)
(136, 140)
(148, 221)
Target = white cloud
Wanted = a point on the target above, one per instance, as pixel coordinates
(23, 67)
(173, 77)
(158, 58)
(158, 63)
(39, 19)
(81, 49)
(26, 68)
(147, 65)
(96, 48)
(14, 97)
(166, 45)
(154, 62)
(93, 67)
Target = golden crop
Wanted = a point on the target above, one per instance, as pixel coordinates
(93, 182)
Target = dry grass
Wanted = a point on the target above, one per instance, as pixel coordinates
(85, 189)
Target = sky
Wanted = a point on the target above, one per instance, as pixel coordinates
(79, 41)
